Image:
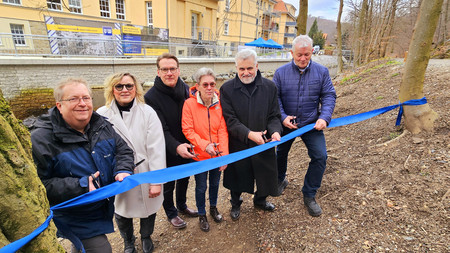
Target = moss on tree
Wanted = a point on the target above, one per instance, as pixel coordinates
(24, 205)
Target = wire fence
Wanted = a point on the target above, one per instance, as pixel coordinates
(59, 46)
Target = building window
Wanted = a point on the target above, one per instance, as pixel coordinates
(54, 5)
(120, 9)
(75, 6)
(225, 28)
(227, 5)
(18, 38)
(12, 2)
(149, 14)
(104, 8)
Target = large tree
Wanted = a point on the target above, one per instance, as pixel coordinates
(24, 205)
(302, 17)
(422, 117)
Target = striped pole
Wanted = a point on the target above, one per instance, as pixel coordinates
(118, 38)
(53, 38)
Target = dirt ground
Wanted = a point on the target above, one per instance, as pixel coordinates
(384, 189)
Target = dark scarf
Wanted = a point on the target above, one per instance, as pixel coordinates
(126, 108)
(178, 93)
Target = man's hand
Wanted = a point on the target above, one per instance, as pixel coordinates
(154, 191)
(276, 136)
(320, 124)
(183, 151)
(287, 122)
(119, 177)
(91, 181)
(256, 137)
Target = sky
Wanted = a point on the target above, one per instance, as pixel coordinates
(327, 9)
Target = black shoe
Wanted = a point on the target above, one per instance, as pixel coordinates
(217, 217)
(281, 187)
(189, 212)
(312, 206)
(147, 245)
(204, 225)
(267, 206)
(128, 246)
(235, 212)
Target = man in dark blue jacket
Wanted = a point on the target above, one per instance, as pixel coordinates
(306, 95)
(76, 151)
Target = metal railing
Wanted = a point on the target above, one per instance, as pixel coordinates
(61, 46)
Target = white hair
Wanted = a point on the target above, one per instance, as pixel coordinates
(203, 72)
(245, 54)
(302, 41)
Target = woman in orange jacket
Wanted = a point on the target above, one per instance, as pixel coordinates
(204, 126)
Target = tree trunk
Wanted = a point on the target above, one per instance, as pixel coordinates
(360, 33)
(24, 205)
(339, 37)
(302, 17)
(418, 118)
(390, 26)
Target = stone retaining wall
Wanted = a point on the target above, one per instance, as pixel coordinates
(27, 82)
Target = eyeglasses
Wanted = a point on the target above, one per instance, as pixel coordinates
(119, 87)
(86, 100)
(166, 70)
(205, 85)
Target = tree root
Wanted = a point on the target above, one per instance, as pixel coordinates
(385, 144)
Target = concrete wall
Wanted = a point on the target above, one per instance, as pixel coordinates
(26, 82)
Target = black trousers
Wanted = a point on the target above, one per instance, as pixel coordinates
(180, 193)
(236, 199)
(125, 226)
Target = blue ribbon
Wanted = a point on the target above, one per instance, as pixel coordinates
(186, 170)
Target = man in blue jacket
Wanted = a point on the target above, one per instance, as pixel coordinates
(77, 151)
(306, 95)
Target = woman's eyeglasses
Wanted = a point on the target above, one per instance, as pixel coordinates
(205, 85)
(119, 87)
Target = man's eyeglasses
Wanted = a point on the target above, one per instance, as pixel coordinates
(205, 85)
(86, 100)
(119, 87)
(166, 70)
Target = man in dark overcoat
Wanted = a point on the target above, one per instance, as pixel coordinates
(251, 111)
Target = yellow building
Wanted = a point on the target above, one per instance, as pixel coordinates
(37, 26)
(242, 21)
(288, 23)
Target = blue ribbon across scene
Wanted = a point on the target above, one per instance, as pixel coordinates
(186, 170)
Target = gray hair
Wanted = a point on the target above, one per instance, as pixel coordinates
(245, 54)
(58, 90)
(203, 72)
(302, 41)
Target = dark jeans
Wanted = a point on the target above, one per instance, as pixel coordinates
(315, 143)
(236, 199)
(180, 192)
(200, 189)
(96, 244)
(125, 226)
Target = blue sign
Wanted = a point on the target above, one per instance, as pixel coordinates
(107, 30)
(132, 44)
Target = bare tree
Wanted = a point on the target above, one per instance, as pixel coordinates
(339, 37)
(359, 40)
(302, 17)
(24, 205)
(422, 117)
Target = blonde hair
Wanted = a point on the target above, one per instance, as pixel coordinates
(114, 79)
(58, 90)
